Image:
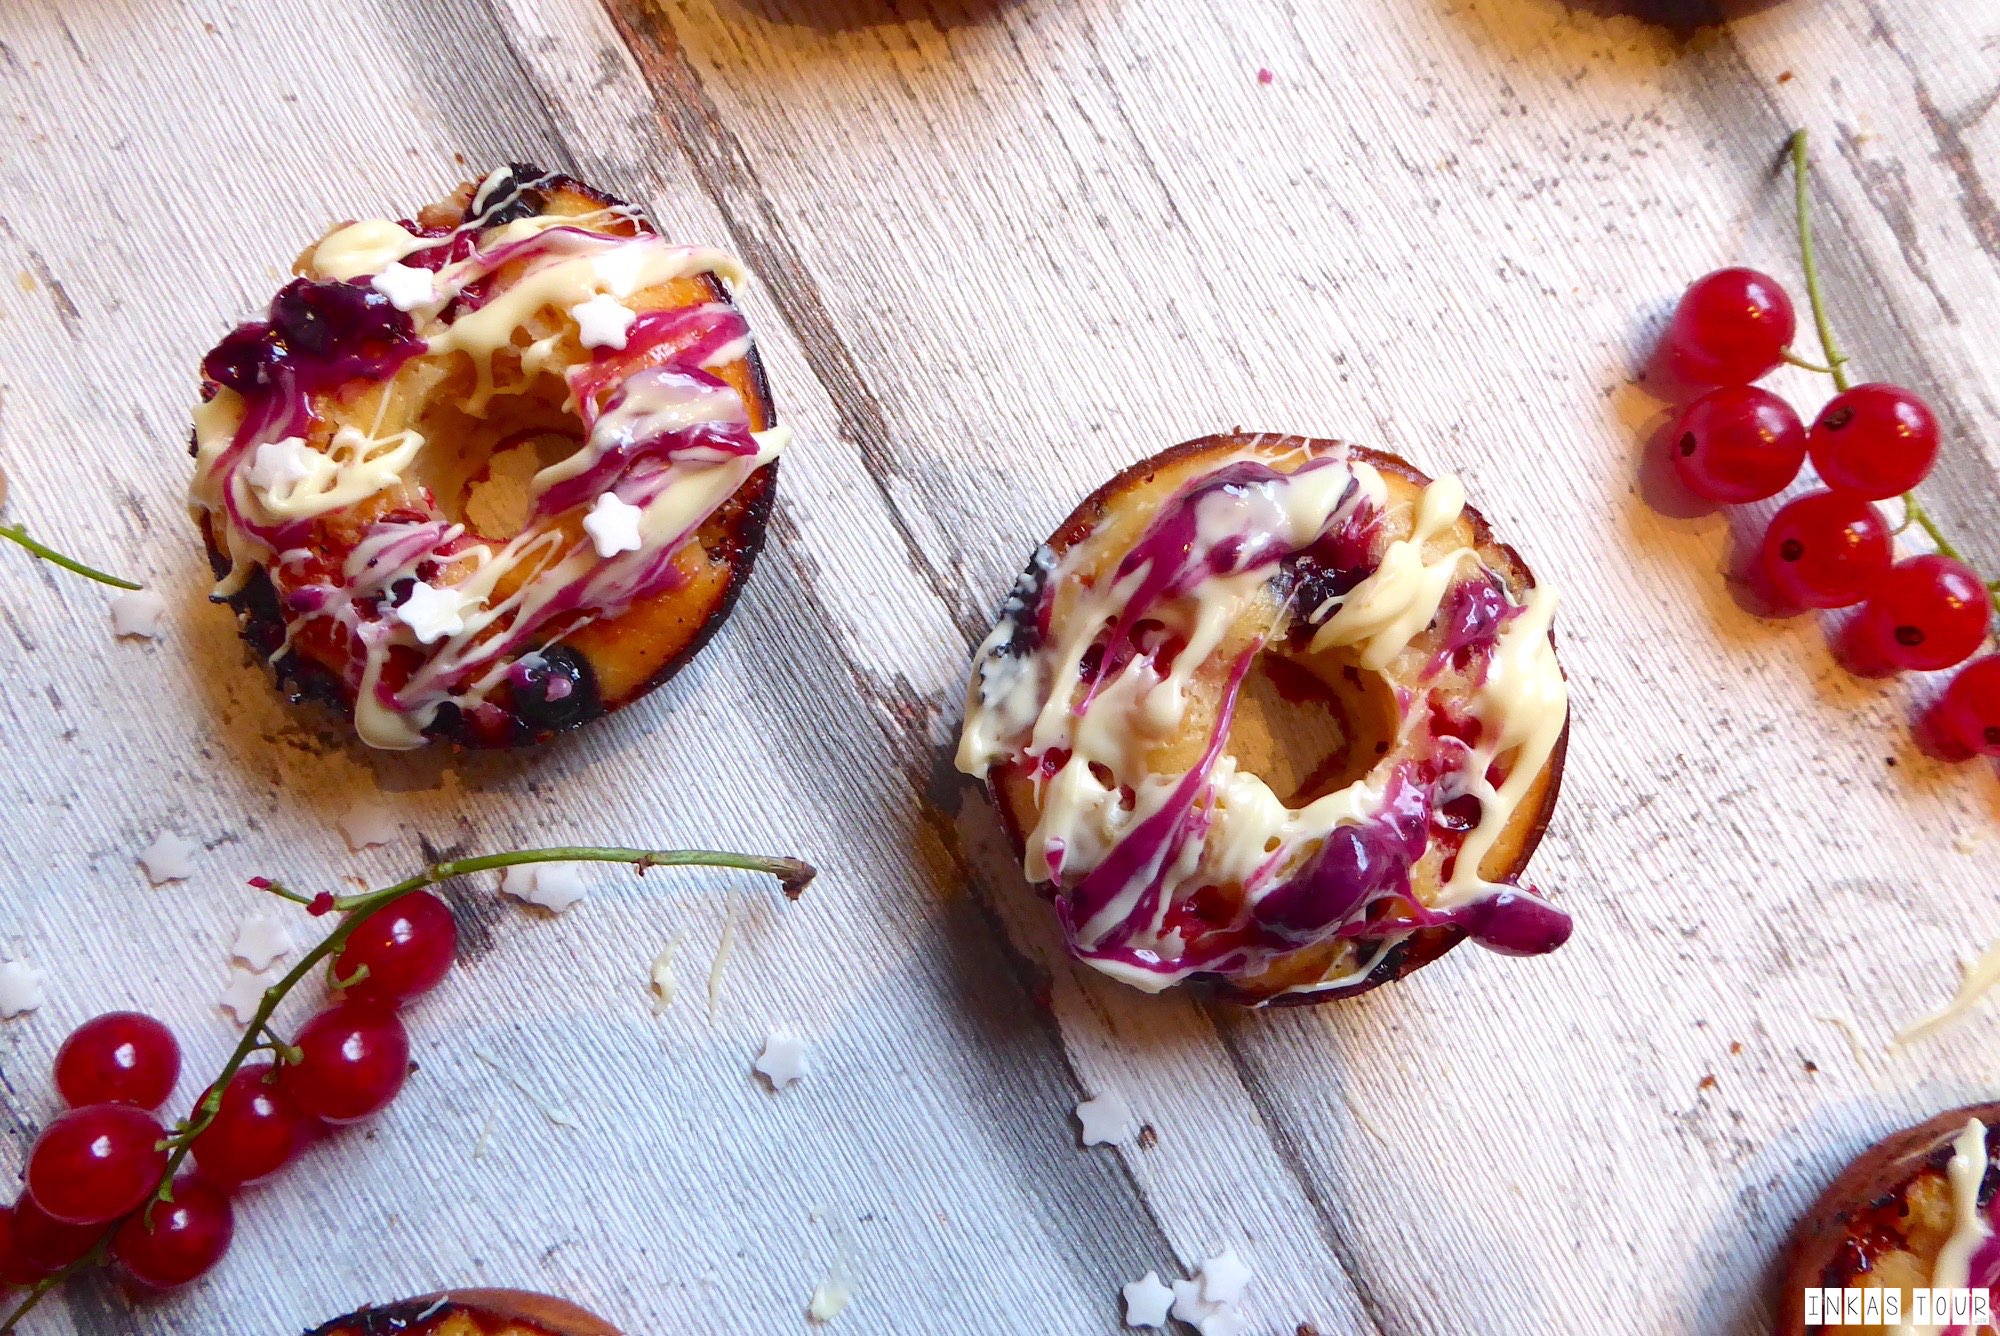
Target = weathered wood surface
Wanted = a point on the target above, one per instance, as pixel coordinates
(1005, 248)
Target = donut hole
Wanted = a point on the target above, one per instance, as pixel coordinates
(1311, 725)
(480, 468)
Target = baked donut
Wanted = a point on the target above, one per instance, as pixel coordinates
(489, 473)
(1276, 714)
(471, 1313)
(1917, 1210)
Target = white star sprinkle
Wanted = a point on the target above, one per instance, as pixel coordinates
(169, 857)
(367, 824)
(20, 988)
(603, 321)
(406, 286)
(283, 465)
(1190, 1307)
(1107, 1120)
(244, 992)
(137, 613)
(431, 612)
(783, 1060)
(613, 526)
(1224, 1277)
(260, 940)
(1147, 1301)
(553, 886)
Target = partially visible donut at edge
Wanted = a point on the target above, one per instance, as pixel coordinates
(486, 474)
(1300, 529)
(478, 1312)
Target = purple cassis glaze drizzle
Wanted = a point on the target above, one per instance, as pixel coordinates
(1355, 865)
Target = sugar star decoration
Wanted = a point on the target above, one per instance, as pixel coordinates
(553, 886)
(169, 857)
(783, 1060)
(613, 525)
(1224, 1277)
(367, 824)
(137, 614)
(1210, 1319)
(261, 939)
(245, 991)
(406, 286)
(431, 612)
(1147, 1301)
(1106, 1120)
(280, 466)
(20, 988)
(603, 321)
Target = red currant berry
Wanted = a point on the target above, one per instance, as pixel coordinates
(1737, 444)
(355, 1057)
(122, 1057)
(1874, 440)
(14, 1270)
(255, 1132)
(1730, 328)
(42, 1246)
(407, 948)
(1965, 721)
(94, 1164)
(176, 1241)
(1927, 613)
(1824, 550)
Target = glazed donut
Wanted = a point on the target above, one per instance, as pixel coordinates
(1918, 1210)
(471, 1313)
(1275, 714)
(488, 473)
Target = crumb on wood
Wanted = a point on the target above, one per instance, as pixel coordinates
(1306, 1329)
(1811, 1066)
(1787, 77)
(1707, 1082)
(1148, 1138)
(1735, 1047)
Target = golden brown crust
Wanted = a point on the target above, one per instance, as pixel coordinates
(1876, 1219)
(1524, 832)
(475, 1312)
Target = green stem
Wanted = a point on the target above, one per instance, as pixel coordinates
(1914, 513)
(1806, 364)
(15, 533)
(1836, 361)
(793, 875)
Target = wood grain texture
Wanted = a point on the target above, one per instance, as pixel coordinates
(1006, 247)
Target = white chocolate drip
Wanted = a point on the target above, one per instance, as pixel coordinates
(1969, 1229)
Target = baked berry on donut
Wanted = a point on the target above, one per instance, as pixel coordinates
(1917, 1211)
(1279, 715)
(488, 473)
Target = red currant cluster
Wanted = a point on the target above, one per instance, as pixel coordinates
(105, 1180)
(1831, 547)
(101, 1178)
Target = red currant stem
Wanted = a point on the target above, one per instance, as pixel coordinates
(283, 892)
(16, 533)
(1914, 513)
(1836, 360)
(793, 875)
(1806, 363)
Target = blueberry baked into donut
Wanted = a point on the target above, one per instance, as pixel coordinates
(1919, 1210)
(1278, 715)
(471, 1313)
(488, 473)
